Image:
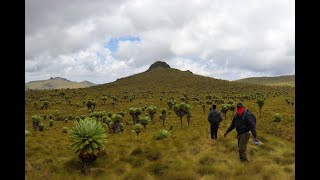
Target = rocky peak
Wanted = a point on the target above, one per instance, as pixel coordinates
(158, 64)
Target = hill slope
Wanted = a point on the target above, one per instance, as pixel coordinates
(187, 154)
(272, 81)
(57, 83)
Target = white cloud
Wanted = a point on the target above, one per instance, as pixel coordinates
(222, 39)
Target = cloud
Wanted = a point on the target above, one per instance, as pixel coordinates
(222, 39)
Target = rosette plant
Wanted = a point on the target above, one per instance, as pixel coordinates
(171, 103)
(163, 115)
(115, 123)
(144, 120)
(152, 111)
(35, 122)
(181, 110)
(260, 102)
(225, 109)
(137, 128)
(134, 113)
(88, 139)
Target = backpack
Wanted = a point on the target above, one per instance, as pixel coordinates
(215, 118)
(252, 115)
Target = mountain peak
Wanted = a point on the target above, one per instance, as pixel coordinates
(59, 78)
(158, 64)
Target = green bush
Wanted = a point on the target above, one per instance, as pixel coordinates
(27, 133)
(277, 117)
(137, 128)
(50, 122)
(144, 120)
(41, 127)
(163, 134)
(65, 130)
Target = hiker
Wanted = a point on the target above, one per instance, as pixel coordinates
(214, 118)
(243, 121)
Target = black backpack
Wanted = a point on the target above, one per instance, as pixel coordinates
(252, 115)
(215, 118)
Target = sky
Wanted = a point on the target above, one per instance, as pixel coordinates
(103, 40)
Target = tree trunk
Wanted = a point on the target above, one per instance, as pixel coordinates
(35, 125)
(188, 119)
(152, 117)
(260, 110)
(86, 160)
(181, 121)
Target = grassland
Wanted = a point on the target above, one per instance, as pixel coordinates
(187, 154)
(271, 81)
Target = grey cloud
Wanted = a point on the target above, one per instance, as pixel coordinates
(232, 37)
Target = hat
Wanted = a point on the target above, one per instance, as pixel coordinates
(239, 105)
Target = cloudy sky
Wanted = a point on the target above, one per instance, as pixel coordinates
(102, 40)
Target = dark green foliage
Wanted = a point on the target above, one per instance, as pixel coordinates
(277, 117)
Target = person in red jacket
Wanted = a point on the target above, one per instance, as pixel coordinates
(244, 122)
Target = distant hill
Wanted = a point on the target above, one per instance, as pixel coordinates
(288, 80)
(57, 83)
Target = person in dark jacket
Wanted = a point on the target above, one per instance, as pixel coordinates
(214, 118)
(243, 126)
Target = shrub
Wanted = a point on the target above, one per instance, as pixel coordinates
(137, 128)
(260, 102)
(50, 122)
(277, 117)
(35, 122)
(65, 130)
(144, 120)
(163, 134)
(27, 133)
(41, 127)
